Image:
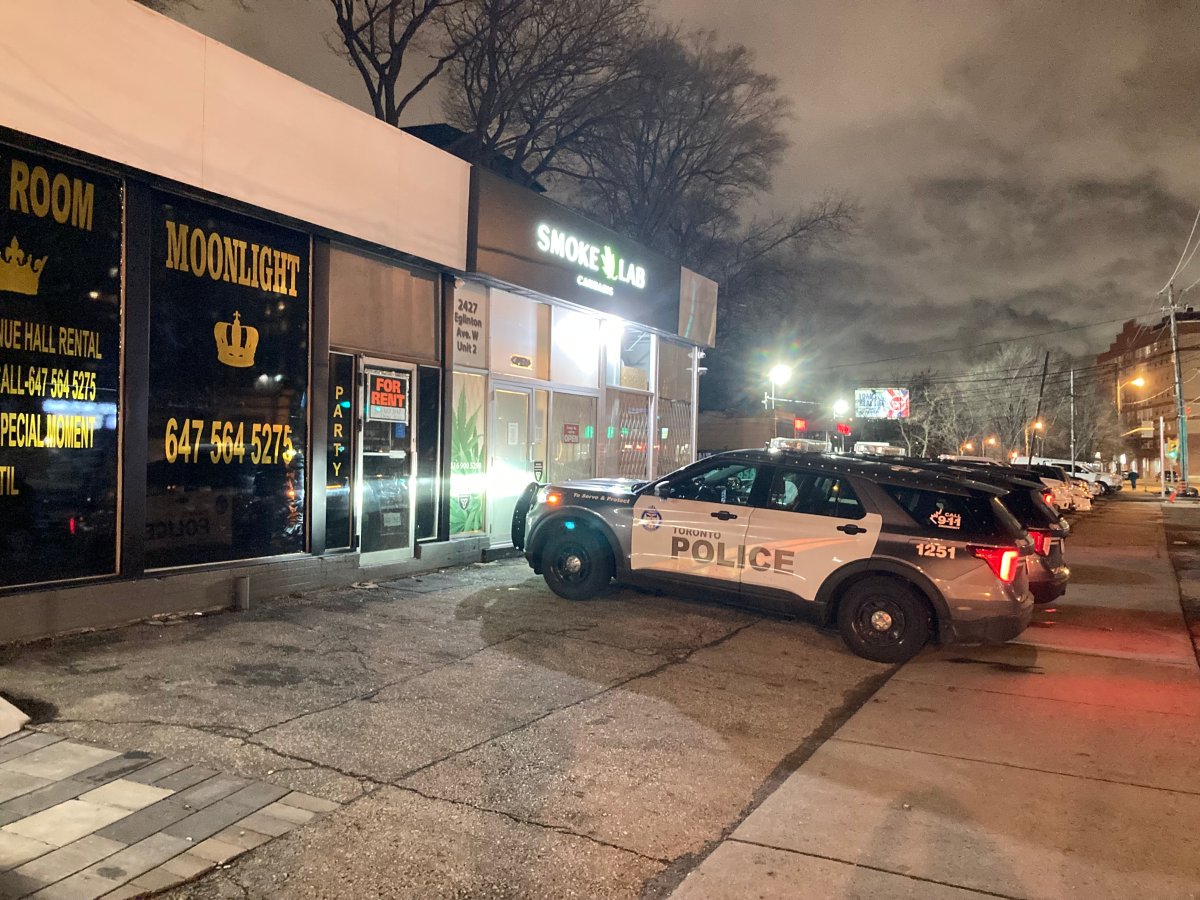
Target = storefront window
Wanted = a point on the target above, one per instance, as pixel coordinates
(60, 357)
(467, 453)
(520, 336)
(575, 351)
(629, 356)
(573, 437)
(625, 435)
(674, 420)
(228, 387)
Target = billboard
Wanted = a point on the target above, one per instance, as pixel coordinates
(881, 403)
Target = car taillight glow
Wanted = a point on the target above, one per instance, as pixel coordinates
(1048, 496)
(1041, 542)
(1003, 561)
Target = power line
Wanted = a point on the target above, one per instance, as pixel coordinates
(1191, 234)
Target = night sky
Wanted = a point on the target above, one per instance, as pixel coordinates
(1022, 168)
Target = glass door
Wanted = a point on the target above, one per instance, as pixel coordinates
(386, 485)
(515, 437)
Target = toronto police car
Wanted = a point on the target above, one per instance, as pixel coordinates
(892, 554)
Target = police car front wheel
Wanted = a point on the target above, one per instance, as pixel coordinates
(883, 619)
(576, 566)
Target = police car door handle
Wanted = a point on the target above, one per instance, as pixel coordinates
(723, 515)
(852, 529)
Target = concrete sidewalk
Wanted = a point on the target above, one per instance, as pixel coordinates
(1061, 765)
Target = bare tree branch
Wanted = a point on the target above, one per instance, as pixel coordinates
(378, 37)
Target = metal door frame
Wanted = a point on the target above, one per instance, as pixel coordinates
(367, 364)
(514, 387)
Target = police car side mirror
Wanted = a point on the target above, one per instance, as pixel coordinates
(662, 490)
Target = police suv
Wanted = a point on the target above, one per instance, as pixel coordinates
(892, 554)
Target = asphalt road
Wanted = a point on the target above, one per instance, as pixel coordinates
(486, 738)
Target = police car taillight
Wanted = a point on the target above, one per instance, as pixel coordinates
(1041, 541)
(1003, 561)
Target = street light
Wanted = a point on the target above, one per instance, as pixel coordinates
(1137, 382)
(967, 447)
(1038, 425)
(779, 374)
(840, 407)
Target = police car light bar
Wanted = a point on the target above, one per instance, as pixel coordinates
(803, 445)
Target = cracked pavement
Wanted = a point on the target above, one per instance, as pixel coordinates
(487, 738)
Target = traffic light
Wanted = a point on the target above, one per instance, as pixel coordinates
(799, 426)
(1173, 448)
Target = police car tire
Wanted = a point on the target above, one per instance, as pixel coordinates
(909, 613)
(595, 557)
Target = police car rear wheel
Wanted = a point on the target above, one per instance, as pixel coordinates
(576, 567)
(883, 619)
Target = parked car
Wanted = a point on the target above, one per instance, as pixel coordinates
(893, 555)
(1080, 469)
(1024, 498)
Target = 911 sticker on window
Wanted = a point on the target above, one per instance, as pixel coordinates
(938, 551)
(945, 519)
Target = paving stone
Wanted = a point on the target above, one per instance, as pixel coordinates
(154, 771)
(14, 784)
(42, 798)
(216, 851)
(242, 837)
(185, 778)
(125, 892)
(118, 767)
(59, 760)
(127, 794)
(14, 884)
(210, 791)
(257, 795)
(26, 743)
(74, 857)
(266, 824)
(18, 848)
(307, 801)
(186, 865)
(145, 822)
(156, 880)
(66, 822)
(15, 736)
(289, 813)
(80, 886)
(140, 858)
(208, 821)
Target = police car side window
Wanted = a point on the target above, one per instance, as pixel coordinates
(814, 494)
(945, 512)
(729, 484)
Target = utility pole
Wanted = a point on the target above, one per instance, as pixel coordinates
(1073, 422)
(1030, 447)
(1180, 409)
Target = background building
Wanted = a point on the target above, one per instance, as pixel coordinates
(1144, 351)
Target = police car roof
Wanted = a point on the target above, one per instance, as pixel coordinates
(890, 470)
(985, 473)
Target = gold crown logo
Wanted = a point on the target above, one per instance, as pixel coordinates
(20, 272)
(236, 343)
